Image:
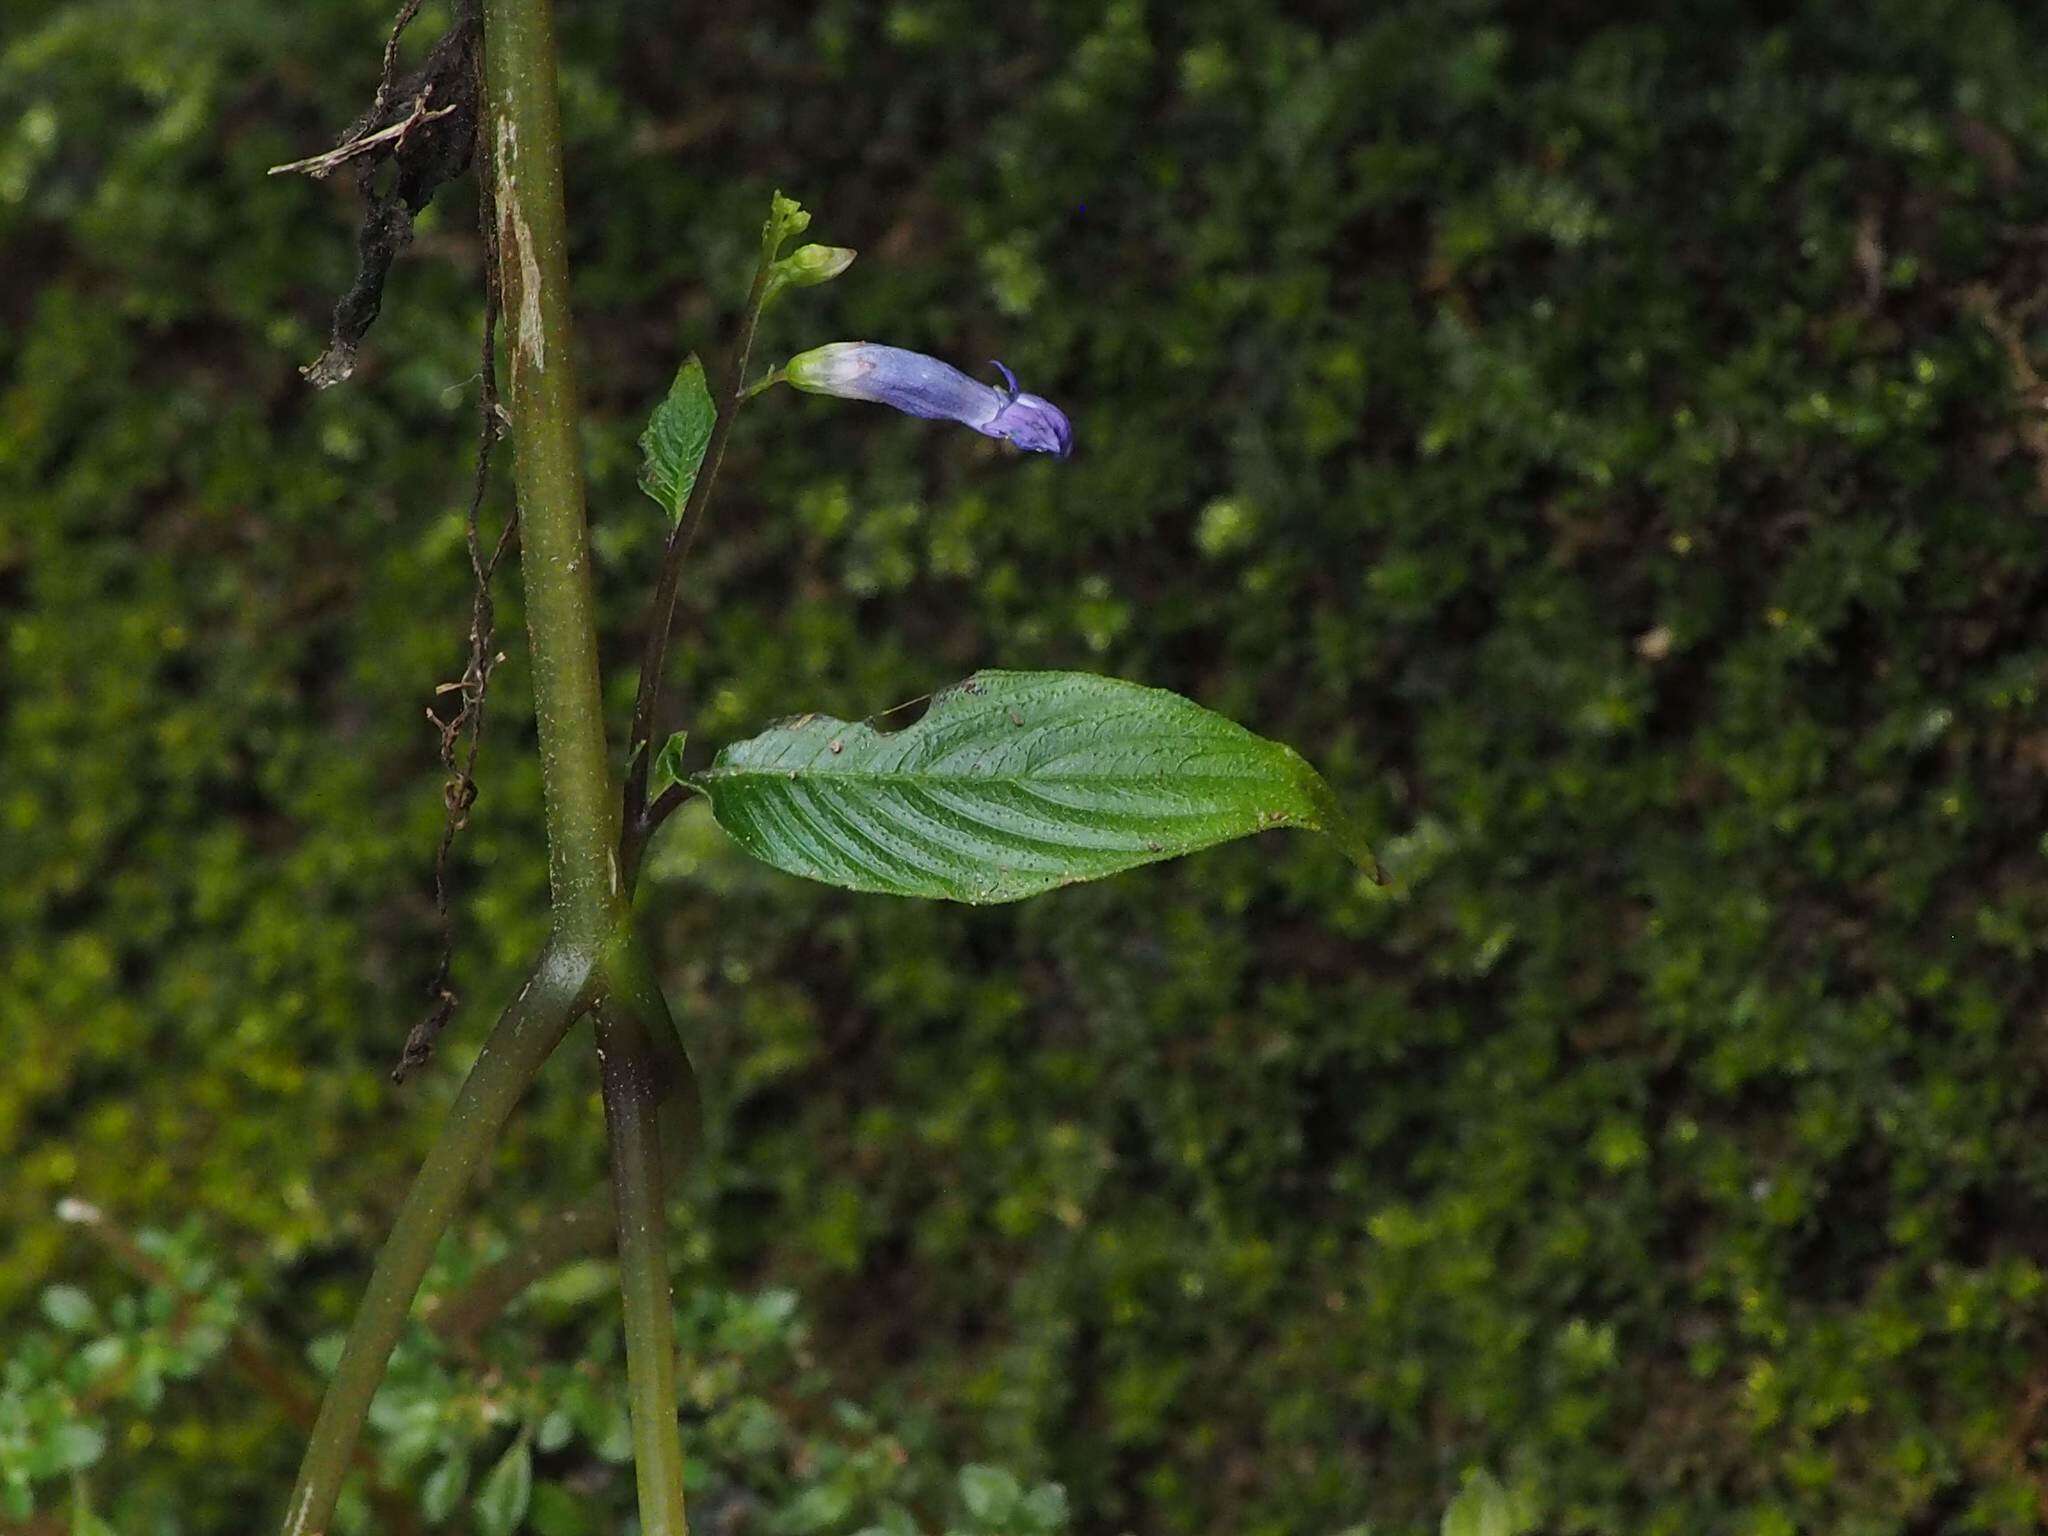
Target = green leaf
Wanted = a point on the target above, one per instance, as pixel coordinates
(554, 1432)
(574, 1284)
(613, 1438)
(1480, 1509)
(895, 1520)
(325, 1352)
(672, 447)
(103, 1356)
(74, 1447)
(990, 1493)
(1013, 783)
(501, 1502)
(1045, 1508)
(818, 1508)
(443, 1489)
(70, 1308)
(667, 767)
(557, 1512)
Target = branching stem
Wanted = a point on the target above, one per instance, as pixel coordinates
(661, 612)
(593, 959)
(640, 831)
(523, 1039)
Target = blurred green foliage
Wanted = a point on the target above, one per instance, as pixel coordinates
(1606, 440)
(478, 1393)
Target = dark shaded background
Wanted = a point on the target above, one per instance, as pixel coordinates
(1607, 440)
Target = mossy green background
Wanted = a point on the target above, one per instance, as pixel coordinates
(1606, 440)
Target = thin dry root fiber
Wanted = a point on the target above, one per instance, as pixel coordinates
(420, 132)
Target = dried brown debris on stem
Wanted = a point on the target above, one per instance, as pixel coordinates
(424, 129)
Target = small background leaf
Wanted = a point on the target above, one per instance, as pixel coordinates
(501, 1502)
(1011, 784)
(70, 1308)
(990, 1493)
(84, 1522)
(443, 1489)
(74, 1447)
(673, 445)
(1045, 1507)
(1480, 1509)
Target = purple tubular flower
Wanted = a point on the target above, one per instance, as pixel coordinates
(923, 386)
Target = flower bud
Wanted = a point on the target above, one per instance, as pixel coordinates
(806, 267)
(786, 220)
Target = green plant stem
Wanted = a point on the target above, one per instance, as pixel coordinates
(661, 612)
(632, 1102)
(629, 976)
(592, 938)
(524, 121)
(640, 832)
(583, 801)
(524, 1037)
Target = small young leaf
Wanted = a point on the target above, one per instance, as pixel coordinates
(1480, 1509)
(667, 767)
(501, 1502)
(672, 447)
(1012, 783)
